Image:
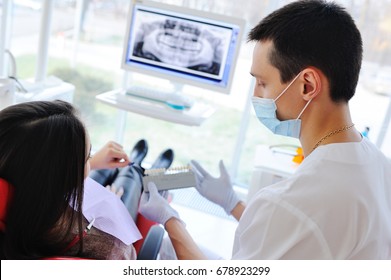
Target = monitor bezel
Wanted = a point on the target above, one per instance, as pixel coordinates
(228, 20)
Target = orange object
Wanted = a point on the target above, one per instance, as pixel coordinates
(299, 157)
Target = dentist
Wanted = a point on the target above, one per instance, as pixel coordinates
(306, 62)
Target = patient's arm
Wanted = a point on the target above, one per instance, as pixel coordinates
(184, 245)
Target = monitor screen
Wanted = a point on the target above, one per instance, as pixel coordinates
(182, 45)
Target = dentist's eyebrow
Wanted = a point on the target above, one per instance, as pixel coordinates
(256, 75)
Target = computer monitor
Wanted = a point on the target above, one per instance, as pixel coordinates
(185, 46)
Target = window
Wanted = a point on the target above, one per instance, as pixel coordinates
(85, 49)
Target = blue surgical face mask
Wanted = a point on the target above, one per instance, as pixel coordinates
(266, 108)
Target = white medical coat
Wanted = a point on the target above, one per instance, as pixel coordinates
(336, 206)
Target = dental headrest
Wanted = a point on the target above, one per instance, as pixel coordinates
(5, 198)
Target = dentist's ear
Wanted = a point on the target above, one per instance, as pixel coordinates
(312, 83)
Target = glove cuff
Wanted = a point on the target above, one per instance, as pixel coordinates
(170, 214)
(231, 202)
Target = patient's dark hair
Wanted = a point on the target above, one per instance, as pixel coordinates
(314, 33)
(42, 155)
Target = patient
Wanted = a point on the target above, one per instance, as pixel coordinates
(126, 182)
(45, 157)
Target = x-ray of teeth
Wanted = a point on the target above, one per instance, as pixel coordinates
(181, 43)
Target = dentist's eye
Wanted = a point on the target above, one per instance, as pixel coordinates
(260, 83)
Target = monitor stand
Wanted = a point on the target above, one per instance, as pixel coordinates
(194, 116)
(170, 94)
(178, 100)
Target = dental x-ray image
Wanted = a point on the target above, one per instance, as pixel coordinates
(182, 44)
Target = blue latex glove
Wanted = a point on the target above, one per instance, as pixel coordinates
(155, 207)
(218, 190)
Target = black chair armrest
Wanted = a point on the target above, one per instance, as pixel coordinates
(151, 246)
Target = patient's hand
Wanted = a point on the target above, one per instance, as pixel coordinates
(111, 155)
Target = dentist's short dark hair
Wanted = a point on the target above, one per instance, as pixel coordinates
(314, 33)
